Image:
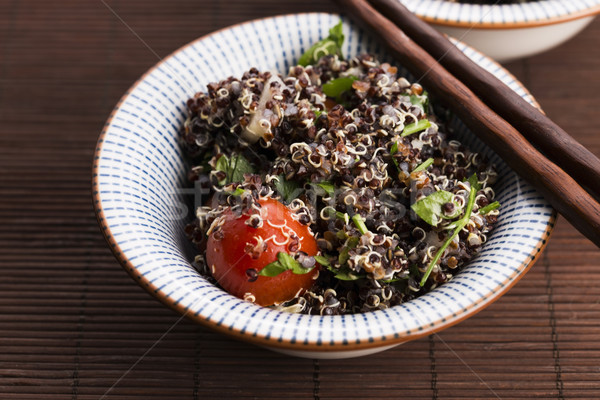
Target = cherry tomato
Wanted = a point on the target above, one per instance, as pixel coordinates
(238, 251)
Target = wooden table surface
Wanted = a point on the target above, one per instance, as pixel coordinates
(73, 325)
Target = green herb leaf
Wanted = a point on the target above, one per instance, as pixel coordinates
(457, 212)
(345, 274)
(351, 243)
(328, 187)
(394, 280)
(332, 44)
(474, 183)
(394, 150)
(239, 166)
(284, 262)
(460, 224)
(489, 207)
(430, 208)
(343, 216)
(344, 256)
(288, 190)
(222, 165)
(273, 269)
(238, 192)
(318, 113)
(336, 33)
(324, 261)
(360, 224)
(421, 101)
(416, 127)
(335, 87)
(424, 165)
(338, 214)
(290, 263)
(234, 168)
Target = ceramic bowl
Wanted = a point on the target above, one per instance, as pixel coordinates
(509, 31)
(142, 204)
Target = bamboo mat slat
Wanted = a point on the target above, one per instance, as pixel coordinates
(73, 325)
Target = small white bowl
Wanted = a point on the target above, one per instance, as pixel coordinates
(509, 31)
(139, 185)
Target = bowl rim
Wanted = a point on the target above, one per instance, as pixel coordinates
(465, 21)
(264, 340)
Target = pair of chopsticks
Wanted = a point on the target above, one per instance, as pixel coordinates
(507, 123)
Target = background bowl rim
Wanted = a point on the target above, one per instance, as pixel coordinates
(336, 346)
(467, 10)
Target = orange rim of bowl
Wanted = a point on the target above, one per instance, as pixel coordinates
(262, 340)
(458, 23)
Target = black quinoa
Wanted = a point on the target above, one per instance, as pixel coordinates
(307, 138)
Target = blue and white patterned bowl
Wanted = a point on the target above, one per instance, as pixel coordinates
(508, 31)
(139, 197)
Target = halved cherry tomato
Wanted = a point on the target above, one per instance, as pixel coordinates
(238, 251)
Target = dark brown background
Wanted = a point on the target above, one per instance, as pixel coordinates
(73, 324)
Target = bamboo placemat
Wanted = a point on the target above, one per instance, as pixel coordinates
(73, 325)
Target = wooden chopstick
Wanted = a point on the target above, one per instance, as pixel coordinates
(560, 189)
(540, 130)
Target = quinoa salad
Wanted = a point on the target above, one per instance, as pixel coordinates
(334, 189)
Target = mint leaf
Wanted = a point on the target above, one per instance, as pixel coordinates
(336, 33)
(290, 263)
(335, 87)
(284, 262)
(238, 166)
(222, 165)
(273, 269)
(416, 127)
(332, 44)
(288, 190)
(234, 167)
(430, 208)
(489, 207)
